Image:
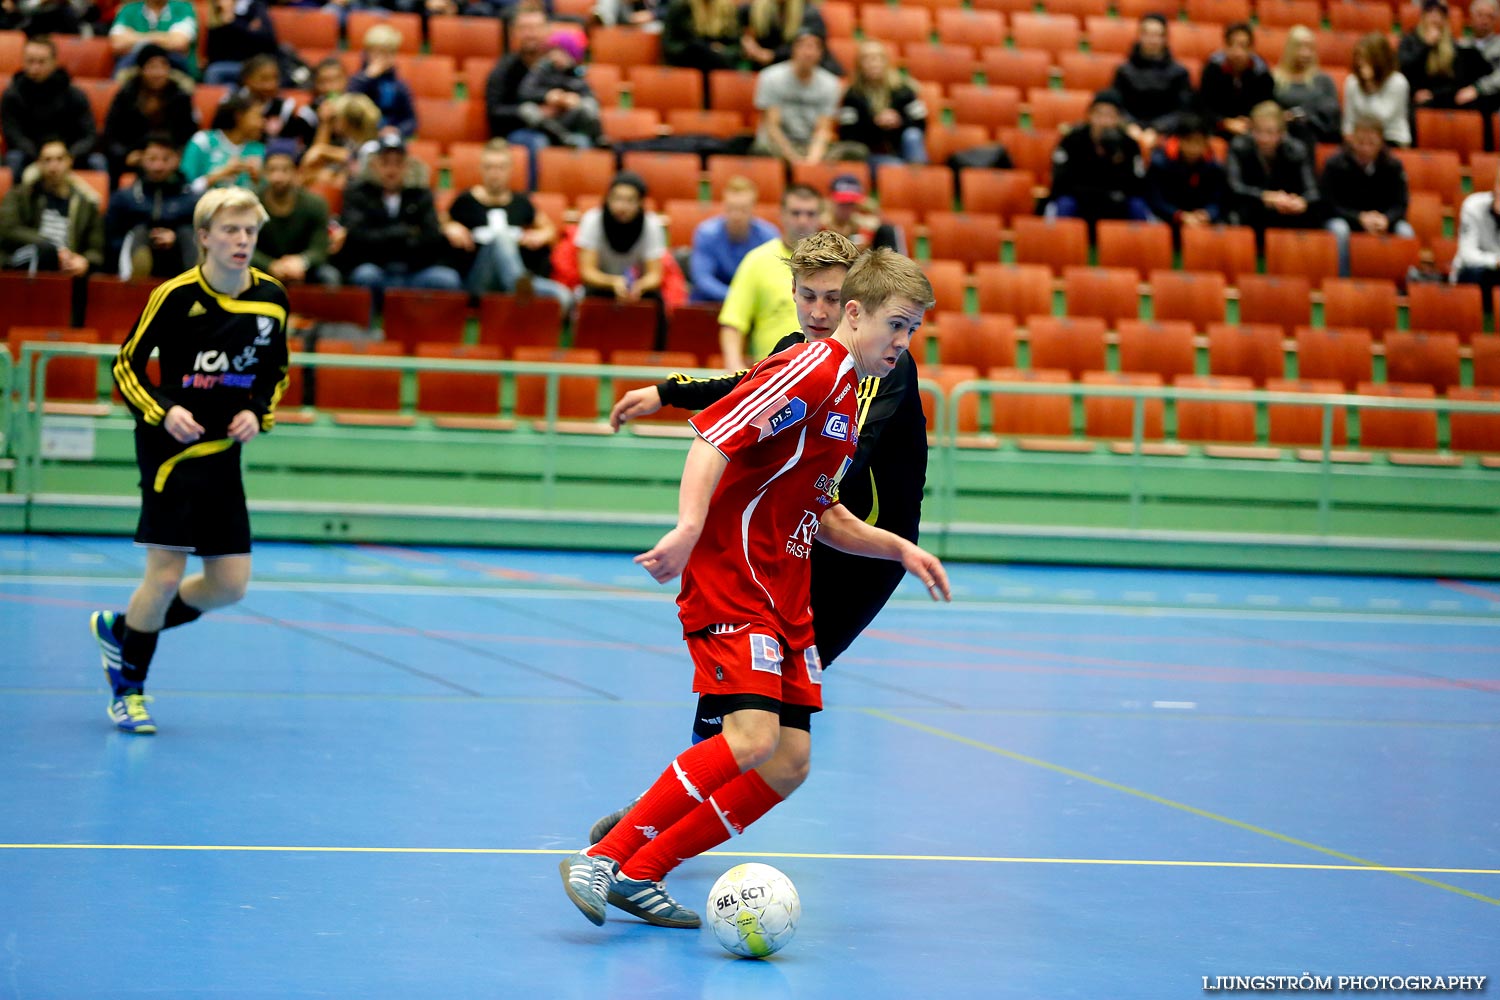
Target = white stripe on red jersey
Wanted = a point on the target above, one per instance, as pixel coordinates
(779, 384)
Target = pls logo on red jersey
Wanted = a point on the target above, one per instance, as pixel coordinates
(780, 415)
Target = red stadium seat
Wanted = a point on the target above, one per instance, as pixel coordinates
(607, 325)
(1215, 421)
(578, 395)
(971, 238)
(665, 88)
(74, 380)
(1253, 351)
(1106, 292)
(1427, 358)
(1113, 417)
(982, 341)
(1282, 299)
(1164, 348)
(1194, 296)
(412, 316)
(1397, 429)
(1006, 193)
(359, 388)
(1343, 355)
(1229, 250)
(1049, 33)
(668, 176)
(469, 393)
(1440, 306)
(1312, 254)
(509, 322)
(1474, 432)
(1031, 416)
(464, 37)
(1015, 290)
(917, 188)
(1144, 246)
(1364, 305)
(1074, 345)
(1023, 68)
(1058, 243)
(1302, 424)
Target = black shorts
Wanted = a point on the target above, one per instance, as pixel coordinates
(709, 721)
(206, 518)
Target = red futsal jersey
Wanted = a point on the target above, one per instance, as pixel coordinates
(788, 431)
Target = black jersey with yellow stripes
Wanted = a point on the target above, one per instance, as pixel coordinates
(218, 355)
(884, 485)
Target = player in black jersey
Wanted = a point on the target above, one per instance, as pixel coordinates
(883, 486)
(220, 334)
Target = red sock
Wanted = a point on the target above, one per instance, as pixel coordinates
(689, 780)
(726, 814)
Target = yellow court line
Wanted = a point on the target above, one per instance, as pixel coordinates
(1406, 873)
(798, 855)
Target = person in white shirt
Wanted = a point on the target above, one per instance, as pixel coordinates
(1478, 258)
(1375, 88)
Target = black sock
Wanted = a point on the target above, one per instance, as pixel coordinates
(136, 650)
(180, 613)
(117, 627)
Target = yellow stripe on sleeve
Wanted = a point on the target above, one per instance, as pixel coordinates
(124, 372)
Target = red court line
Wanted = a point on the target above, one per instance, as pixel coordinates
(1484, 593)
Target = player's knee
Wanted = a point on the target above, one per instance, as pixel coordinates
(752, 745)
(787, 773)
(164, 581)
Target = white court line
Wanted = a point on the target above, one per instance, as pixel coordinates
(986, 607)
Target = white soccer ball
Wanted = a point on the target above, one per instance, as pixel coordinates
(753, 910)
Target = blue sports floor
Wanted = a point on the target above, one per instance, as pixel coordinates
(1069, 784)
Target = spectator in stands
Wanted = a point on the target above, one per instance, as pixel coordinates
(1484, 93)
(41, 103)
(771, 28)
(1271, 182)
(237, 30)
(882, 116)
(720, 243)
(469, 8)
(51, 220)
(1477, 261)
(231, 152)
(1364, 189)
(555, 96)
(621, 246)
(168, 24)
(504, 243)
(797, 101)
(1097, 171)
(153, 97)
(701, 34)
(1375, 88)
(46, 17)
(285, 117)
(347, 124)
(293, 242)
(759, 308)
(508, 118)
(851, 215)
(329, 80)
(1154, 88)
(149, 225)
(1235, 80)
(1306, 92)
(1434, 64)
(379, 82)
(393, 237)
(1185, 184)
(641, 14)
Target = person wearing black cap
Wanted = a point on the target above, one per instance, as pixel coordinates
(393, 232)
(1235, 80)
(621, 245)
(1154, 88)
(1096, 169)
(153, 97)
(851, 215)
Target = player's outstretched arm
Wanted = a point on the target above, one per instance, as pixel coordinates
(700, 477)
(841, 530)
(635, 403)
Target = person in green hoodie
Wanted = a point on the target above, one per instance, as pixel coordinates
(51, 221)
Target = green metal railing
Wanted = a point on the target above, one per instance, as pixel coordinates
(26, 418)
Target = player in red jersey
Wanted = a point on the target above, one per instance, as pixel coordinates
(760, 482)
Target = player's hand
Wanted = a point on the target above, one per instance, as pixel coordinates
(180, 424)
(635, 403)
(244, 426)
(929, 569)
(666, 561)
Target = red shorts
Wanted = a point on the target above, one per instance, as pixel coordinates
(753, 659)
